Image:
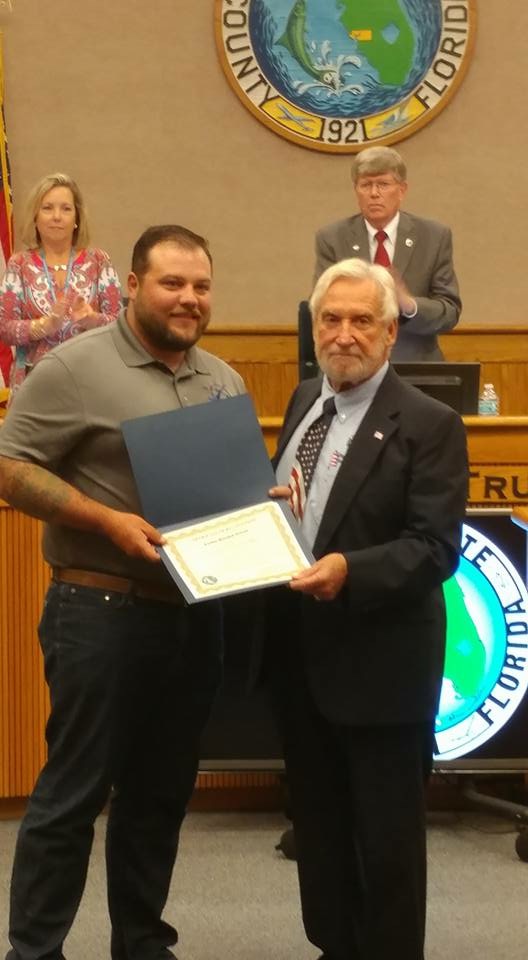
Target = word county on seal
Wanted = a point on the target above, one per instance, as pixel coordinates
(337, 75)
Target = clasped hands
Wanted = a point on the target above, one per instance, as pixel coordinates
(326, 577)
(78, 311)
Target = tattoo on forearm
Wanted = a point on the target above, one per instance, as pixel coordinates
(34, 490)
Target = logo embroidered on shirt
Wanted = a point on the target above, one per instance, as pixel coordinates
(217, 391)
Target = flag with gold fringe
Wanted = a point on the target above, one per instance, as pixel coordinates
(6, 211)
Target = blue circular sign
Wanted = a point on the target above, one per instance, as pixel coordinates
(486, 666)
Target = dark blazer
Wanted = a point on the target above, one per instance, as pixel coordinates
(375, 654)
(424, 259)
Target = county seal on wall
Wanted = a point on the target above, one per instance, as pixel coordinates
(486, 665)
(337, 75)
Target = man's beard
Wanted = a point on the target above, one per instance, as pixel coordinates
(354, 370)
(162, 337)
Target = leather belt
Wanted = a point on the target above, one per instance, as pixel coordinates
(143, 589)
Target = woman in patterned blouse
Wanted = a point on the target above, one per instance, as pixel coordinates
(59, 286)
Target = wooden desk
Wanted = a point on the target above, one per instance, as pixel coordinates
(498, 454)
(266, 357)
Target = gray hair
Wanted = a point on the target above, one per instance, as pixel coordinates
(356, 269)
(377, 160)
(30, 234)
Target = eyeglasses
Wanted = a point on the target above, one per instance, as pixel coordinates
(380, 186)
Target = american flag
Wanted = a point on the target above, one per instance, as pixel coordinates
(336, 458)
(6, 213)
(298, 495)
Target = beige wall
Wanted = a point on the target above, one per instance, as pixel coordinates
(128, 96)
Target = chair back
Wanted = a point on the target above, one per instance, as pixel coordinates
(307, 363)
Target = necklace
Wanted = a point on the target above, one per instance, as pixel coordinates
(56, 267)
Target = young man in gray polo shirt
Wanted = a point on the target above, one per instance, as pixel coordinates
(132, 672)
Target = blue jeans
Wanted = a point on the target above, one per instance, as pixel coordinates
(131, 684)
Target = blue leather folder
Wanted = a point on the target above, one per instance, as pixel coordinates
(198, 461)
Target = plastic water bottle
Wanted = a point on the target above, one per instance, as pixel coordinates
(488, 405)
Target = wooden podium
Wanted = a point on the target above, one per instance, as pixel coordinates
(266, 357)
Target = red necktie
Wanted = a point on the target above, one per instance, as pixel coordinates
(381, 256)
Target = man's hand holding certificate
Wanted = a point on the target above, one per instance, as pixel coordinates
(248, 548)
(203, 476)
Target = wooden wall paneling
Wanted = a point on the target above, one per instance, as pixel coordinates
(251, 343)
(267, 359)
(271, 428)
(503, 353)
(485, 342)
(497, 440)
(24, 707)
(498, 455)
(6, 678)
(270, 384)
(511, 383)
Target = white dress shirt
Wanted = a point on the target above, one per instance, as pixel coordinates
(390, 243)
(351, 406)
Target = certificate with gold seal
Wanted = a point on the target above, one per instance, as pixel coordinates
(244, 549)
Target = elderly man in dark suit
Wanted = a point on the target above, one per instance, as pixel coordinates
(418, 252)
(355, 654)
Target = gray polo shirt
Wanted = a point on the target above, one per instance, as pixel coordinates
(67, 417)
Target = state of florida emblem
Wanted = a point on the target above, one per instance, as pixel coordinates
(338, 75)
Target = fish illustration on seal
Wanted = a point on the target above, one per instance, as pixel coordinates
(294, 40)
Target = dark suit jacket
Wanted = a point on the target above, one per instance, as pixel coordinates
(424, 258)
(375, 654)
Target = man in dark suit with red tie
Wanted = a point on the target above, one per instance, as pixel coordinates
(356, 643)
(418, 252)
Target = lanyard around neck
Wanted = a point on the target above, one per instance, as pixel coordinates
(51, 285)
